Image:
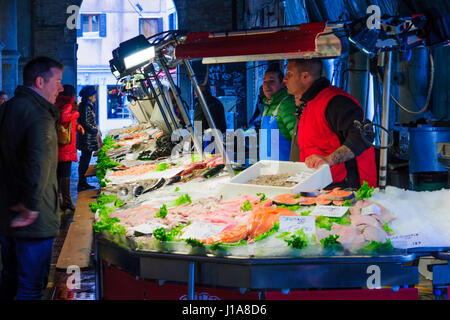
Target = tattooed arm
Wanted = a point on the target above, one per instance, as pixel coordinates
(342, 154)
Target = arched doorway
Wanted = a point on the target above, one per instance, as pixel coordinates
(103, 26)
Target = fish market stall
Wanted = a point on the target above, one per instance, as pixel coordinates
(166, 221)
(196, 222)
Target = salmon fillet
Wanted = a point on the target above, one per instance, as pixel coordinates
(232, 235)
(264, 221)
(287, 199)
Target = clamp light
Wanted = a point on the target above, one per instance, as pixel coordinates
(139, 58)
(131, 55)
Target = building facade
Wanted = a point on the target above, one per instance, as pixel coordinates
(103, 25)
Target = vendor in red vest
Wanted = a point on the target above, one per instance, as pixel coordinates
(326, 133)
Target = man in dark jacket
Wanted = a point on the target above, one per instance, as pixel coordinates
(89, 142)
(29, 213)
(215, 108)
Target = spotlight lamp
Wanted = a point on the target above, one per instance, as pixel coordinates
(131, 55)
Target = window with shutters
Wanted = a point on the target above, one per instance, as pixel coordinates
(150, 26)
(92, 25)
(172, 21)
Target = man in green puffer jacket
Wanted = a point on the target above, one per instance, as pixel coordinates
(277, 122)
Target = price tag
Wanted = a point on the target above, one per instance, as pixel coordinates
(412, 240)
(201, 230)
(149, 227)
(293, 223)
(372, 209)
(300, 177)
(329, 211)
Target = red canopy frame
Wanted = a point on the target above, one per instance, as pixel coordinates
(309, 40)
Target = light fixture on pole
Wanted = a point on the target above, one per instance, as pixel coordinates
(131, 55)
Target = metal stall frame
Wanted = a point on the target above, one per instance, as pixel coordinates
(257, 273)
(197, 144)
(161, 107)
(161, 90)
(441, 274)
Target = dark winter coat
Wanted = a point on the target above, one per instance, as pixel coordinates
(216, 110)
(28, 161)
(88, 141)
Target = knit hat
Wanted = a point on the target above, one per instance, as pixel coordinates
(87, 91)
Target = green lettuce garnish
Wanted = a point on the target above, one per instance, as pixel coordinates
(222, 246)
(119, 203)
(327, 222)
(162, 212)
(273, 230)
(293, 207)
(117, 229)
(347, 203)
(262, 195)
(105, 222)
(94, 206)
(375, 247)
(247, 206)
(296, 240)
(161, 234)
(387, 229)
(104, 199)
(181, 200)
(305, 213)
(194, 243)
(104, 162)
(162, 167)
(364, 192)
(330, 243)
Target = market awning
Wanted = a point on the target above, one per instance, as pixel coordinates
(309, 40)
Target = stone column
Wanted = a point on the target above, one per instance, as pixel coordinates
(10, 54)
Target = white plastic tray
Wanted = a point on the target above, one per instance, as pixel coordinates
(320, 178)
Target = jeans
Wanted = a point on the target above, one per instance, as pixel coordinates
(26, 266)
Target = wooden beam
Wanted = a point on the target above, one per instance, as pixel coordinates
(77, 247)
(91, 171)
(82, 210)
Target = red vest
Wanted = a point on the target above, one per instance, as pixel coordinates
(316, 137)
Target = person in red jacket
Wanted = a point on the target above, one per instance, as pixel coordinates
(326, 131)
(68, 152)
